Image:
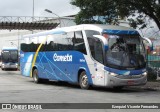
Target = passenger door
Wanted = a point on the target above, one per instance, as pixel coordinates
(96, 49)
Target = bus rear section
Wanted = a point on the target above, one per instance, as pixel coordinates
(9, 58)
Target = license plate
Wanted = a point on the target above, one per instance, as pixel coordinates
(130, 82)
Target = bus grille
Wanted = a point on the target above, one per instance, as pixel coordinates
(129, 76)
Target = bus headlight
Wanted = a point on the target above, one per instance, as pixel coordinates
(144, 74)
(113, 74)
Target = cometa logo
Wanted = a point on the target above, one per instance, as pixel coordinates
(62, 57)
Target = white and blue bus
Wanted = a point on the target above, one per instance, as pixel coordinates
(100, 55)
(9, 56)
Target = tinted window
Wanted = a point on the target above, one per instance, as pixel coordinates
(14, 56)
(29, 47)
(78, 42)
(59, 42)
(125, 52)
(96, 49)
(5, 56)
(90, 33)
(9, 56)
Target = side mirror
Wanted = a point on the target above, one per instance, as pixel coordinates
(150, 46)
(103, 39)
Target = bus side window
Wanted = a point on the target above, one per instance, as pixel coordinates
(78, 41)
(96, 49)
(23, 47)
(70, 37)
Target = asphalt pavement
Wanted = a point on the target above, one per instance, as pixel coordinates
(15, 88)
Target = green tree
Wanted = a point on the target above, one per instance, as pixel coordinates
(102, 9)
(111, 10)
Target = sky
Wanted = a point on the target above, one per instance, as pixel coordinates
(59, 7)
(25, 8)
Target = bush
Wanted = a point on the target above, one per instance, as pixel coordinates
(151, 74)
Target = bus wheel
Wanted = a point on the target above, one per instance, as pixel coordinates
(83, 80)
(36, 79)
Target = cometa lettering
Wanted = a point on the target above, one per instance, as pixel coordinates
(66, 57)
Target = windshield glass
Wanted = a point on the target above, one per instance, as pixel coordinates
(5, 56)
(14, 56)
(10, 56)
(125, 52)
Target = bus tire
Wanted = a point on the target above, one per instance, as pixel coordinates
(36, 79)
(83, 80)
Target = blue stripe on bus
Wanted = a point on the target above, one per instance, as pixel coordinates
(125, 72)
(120, 32)
(56, 70)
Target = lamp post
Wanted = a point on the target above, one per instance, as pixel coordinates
(33, 10)
(49, 11)
(33, 15)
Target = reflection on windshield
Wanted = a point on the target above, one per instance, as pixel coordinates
(125, 51)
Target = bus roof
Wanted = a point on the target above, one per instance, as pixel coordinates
(9, 48)
(111, 29)
(108, 27)
(96, 27)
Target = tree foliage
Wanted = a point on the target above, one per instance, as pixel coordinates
(90, 9)
(109, 11)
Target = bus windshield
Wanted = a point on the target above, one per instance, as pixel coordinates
(14, 56)
(125, 52)
(5, 56)
(10, 56)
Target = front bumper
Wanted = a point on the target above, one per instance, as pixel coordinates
(113, 81)
(9, 66)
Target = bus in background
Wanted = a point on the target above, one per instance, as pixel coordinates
(98, 55)
(9, 56)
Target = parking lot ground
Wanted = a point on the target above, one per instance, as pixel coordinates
(15, 88)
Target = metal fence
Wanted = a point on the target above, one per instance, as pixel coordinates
(25, 19)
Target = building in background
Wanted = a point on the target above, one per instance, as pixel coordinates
(12, 38)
